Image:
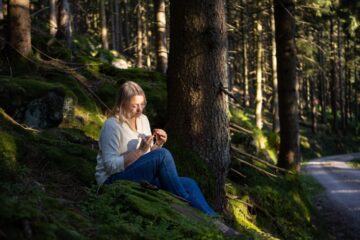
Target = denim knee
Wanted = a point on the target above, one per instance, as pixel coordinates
(189, 181)
(164, 153)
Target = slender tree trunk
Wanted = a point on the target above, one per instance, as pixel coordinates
(146, 42)
(258, 99)
(321, 77)
(341, 76)
(275, 105)
(65, 28)
(104, 30)
(139, 38)
(118, 27)
(113, 24)
(334, 80)
(126, 23)
(289, 156)
(245, 55)
(197, 72)
(1, 10)
(53, 18)
(117, 24)
(20, 26)
(160, 43)
(314, 103)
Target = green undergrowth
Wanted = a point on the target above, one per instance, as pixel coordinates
(273, 207)
(326, 144)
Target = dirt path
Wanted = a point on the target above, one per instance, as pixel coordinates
(340, 203)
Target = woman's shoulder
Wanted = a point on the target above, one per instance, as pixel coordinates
(112, 122)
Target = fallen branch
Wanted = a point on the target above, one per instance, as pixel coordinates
(237, 172)
(255, 167)
(259, 160)
(237, 127)
(230, 95)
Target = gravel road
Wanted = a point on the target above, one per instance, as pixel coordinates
(340, 203)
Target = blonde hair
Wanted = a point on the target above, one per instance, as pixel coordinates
(126, 91)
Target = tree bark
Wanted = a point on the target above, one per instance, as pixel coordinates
(20, 26)
(197, 72)
(160, 43)
(104, 30)
(289, 156)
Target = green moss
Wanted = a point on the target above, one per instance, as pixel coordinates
(128, 210)
(8, 151)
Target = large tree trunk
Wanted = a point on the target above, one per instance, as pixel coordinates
(104, 30)
(197, 72)
(160, 43)
(20, 26)
(289, 156)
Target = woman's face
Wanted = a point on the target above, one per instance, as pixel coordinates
(135, 106)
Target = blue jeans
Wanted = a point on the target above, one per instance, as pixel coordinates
(158, 168)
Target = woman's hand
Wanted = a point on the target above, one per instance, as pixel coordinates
(146, 143)
(160, 136)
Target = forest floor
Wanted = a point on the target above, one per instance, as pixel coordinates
(339, 204)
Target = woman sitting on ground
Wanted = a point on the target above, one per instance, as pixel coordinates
(128, 150)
